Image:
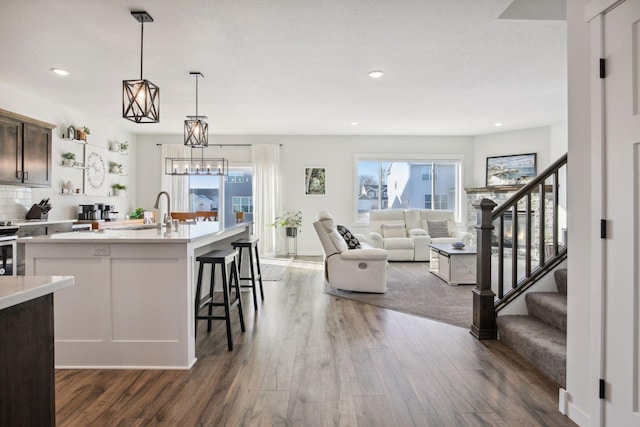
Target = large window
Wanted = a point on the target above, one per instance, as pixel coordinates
(403, 184)
(224, 195)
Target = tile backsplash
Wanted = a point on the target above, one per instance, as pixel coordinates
(15, 201)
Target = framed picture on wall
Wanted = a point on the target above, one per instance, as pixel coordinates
(95, 171)
(515, 169)
(315, 181)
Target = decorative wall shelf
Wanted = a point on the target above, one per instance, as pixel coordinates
(77, 141)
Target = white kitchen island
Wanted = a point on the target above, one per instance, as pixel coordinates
(132, 303)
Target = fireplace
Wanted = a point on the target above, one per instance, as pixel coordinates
(521, 218)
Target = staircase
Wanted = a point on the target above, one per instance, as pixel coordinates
(541, 336)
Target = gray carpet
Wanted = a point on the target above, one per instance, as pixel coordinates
(413, 289)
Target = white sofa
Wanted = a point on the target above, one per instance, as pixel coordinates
(362, 270)
(404, 233)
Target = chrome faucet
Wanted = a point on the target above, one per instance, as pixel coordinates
(167, 216)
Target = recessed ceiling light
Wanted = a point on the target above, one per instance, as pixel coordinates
(354, 123)
(60, 71)
(376, 74)
(498, 124)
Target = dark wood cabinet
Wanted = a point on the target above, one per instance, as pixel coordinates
(25, 150)
(27, 387)
(10, 149)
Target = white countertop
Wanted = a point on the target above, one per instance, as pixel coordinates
(25, 222)
(187, 232)
(18, 289)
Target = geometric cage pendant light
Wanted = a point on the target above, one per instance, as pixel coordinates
(140, 97)
(196, 130)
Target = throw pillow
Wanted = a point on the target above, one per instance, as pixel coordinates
(393, 230)
(348, 237)
(438, 229)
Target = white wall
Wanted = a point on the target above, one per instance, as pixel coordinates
(102, 134)
(336, 154)
(581, 385)
(535, 140)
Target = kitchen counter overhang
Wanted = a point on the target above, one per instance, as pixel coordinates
(133, 300)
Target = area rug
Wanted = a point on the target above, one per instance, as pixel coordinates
(413, 289)
(274, 268)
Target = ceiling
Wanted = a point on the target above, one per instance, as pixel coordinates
(298, 67)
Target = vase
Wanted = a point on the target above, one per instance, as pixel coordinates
(291, 231)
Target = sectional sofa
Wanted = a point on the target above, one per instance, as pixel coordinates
(406, 233)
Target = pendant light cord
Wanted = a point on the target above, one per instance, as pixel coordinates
(197, 119)
(141, 46)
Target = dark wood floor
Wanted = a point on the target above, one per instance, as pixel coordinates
(311, 359)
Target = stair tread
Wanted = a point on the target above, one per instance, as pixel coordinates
(542, 344)
(550, 307)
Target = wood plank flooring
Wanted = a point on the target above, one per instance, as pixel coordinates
(312, 359)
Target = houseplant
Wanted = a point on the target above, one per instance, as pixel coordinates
(115, 167)
(68, 159)
(119, 189)
(124, 146)
(290, 221)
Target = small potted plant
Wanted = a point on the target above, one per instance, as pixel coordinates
(119, 190)
(68, 159)
(290, 221)
(82, 132)
(115, 167)
(124, 147)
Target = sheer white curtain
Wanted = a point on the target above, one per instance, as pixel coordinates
(266, 194)
(177, 186)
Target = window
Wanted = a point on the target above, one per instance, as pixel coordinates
(426, 173)
(235, 177)
(226, 195)
(238, 195)
(404, 184)
(242, 204)
(440, 202)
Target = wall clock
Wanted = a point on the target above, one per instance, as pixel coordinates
(95, 170)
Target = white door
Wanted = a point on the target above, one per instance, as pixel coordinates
(622, 200)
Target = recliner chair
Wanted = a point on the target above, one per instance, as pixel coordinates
(361, 270)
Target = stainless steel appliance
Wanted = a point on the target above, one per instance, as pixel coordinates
(8, 248)
(88, 212)
(108, 212)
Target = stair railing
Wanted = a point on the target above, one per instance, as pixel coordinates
(519, 239)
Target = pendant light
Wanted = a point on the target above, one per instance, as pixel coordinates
(141, 98)
(196, 130)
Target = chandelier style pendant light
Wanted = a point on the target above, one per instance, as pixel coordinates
(195, 165)
(141, 98)
(196, 130)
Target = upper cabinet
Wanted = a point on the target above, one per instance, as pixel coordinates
(25, 150)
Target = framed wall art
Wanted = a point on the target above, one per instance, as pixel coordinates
(315, 181)
(95, 171)
(517, 169)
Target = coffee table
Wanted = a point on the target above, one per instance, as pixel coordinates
(454, 266)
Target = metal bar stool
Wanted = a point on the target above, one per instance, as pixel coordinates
(224, 258)
(240, 245)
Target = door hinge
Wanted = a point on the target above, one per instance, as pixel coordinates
(601, 391)
(603, 68)
(603, 228)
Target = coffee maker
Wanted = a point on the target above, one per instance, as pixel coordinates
(88, 212)
(108, 212)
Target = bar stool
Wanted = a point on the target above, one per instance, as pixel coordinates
(224, 258)
(248, 244)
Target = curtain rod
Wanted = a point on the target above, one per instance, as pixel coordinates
(220, 145)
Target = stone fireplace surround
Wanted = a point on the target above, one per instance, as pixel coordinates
(500, 194)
